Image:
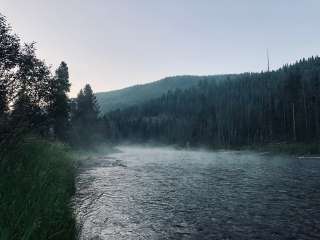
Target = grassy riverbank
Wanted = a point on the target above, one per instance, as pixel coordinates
(36, 186)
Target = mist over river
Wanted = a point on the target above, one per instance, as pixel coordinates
(163, 193)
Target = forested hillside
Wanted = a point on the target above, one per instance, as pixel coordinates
(138, 94)
(249, 108)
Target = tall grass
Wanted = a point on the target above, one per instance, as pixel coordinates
(36, 185)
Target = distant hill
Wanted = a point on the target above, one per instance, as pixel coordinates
(280, 106)
(137, 94)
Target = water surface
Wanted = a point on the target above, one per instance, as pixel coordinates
(162, 193)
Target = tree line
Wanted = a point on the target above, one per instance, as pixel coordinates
(230, 110)
(33, 100)
(244, 109)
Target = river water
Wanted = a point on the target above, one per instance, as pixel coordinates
(162, 193)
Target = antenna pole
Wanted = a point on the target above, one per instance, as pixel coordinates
(268, 60)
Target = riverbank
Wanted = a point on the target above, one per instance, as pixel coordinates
(298, 149)
(85, 158)
(36, 187)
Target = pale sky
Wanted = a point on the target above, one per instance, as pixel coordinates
(113, 44)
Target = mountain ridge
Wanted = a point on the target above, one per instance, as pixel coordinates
(137, 94)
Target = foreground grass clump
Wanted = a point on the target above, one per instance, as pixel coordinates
(36, 186)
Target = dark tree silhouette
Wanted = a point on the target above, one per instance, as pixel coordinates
(9, 57)
(85, 121)
(59, 105)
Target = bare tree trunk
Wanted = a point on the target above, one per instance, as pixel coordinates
(285, 125)
(294, 123)
(317, 120)
(307, 132)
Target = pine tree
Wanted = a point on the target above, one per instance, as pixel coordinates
(59, 108)
(89, 105)
(85, 118)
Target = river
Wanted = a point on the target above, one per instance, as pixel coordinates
(163, 193)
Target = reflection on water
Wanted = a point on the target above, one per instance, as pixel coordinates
(161, 193)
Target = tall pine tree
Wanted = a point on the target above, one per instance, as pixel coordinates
(59, 108)
(85, 118)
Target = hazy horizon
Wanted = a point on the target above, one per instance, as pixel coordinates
(115, 44)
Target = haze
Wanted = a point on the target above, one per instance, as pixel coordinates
(113, 44)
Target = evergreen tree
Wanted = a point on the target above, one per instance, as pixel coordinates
(59, 108)
(88, 105)
(86, 124)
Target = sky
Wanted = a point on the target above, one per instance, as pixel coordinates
(112, 44)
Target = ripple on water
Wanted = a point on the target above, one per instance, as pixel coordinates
(161, 193)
